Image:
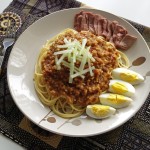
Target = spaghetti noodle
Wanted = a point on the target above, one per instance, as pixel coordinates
(68, 94)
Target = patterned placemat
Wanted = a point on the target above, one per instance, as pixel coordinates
(134, 134)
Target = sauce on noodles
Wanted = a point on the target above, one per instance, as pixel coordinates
(70, 99)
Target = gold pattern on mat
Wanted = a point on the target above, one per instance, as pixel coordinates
(113, 136)
(9, 19)
(146, 35)
(141, 126)
(47, 137)
(29, 5)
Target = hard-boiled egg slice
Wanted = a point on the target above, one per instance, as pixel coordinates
(114, 100)
(127, 75)
(99, 111)
(121, 87)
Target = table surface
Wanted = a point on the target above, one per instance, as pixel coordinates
(135, 10)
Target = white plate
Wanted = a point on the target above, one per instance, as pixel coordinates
(21, 69)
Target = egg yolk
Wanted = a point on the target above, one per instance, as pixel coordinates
(100, 111)
(116, 99)
(119, 88)
(129, 77)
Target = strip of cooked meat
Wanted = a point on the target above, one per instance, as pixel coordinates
(111, 30)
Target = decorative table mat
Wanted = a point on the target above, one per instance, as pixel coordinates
(134, 134)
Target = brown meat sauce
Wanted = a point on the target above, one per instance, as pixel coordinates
(81, 91)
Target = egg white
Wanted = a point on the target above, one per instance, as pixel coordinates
(115, 100)
(115, 88)
(127, 75)
(103, 113)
